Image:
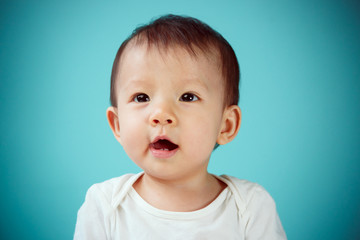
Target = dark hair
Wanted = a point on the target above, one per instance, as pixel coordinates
(191, 34)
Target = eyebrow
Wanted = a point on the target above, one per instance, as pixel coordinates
(195, 81)
(147, 83)
(136, 82)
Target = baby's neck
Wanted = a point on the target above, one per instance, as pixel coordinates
(179, 196)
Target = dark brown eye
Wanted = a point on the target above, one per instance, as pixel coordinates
(142, 97)
(188, 97)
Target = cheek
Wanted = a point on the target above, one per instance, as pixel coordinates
(202, 136)
(131, 131)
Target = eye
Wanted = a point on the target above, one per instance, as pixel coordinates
(141, 97)
(188, 97)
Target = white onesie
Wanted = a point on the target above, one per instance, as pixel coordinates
(114, 210)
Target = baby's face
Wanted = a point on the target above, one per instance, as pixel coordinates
(170, 110)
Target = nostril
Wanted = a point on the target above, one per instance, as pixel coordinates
(165, 121)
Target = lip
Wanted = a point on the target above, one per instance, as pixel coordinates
(162, 153)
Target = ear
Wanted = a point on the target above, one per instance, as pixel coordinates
(113, 119)
(230, 124)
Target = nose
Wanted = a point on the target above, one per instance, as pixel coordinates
(161, 116)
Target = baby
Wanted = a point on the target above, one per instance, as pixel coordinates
(174, 96)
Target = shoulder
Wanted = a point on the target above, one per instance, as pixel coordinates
(245, 189)
(95, 216)
(256, 208)
(111, 191)
(250, 196)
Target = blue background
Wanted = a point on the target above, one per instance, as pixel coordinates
(300, 98)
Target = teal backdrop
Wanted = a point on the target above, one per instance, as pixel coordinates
(300, 99)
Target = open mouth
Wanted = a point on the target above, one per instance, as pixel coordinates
(163, 145)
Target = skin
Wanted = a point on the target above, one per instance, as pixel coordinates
(151, 104)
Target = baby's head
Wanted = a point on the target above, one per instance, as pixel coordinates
(191, 35)
(174, 95)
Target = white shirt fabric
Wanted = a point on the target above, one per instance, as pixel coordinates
(114, 210)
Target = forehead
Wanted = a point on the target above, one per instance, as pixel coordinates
(142, 59)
